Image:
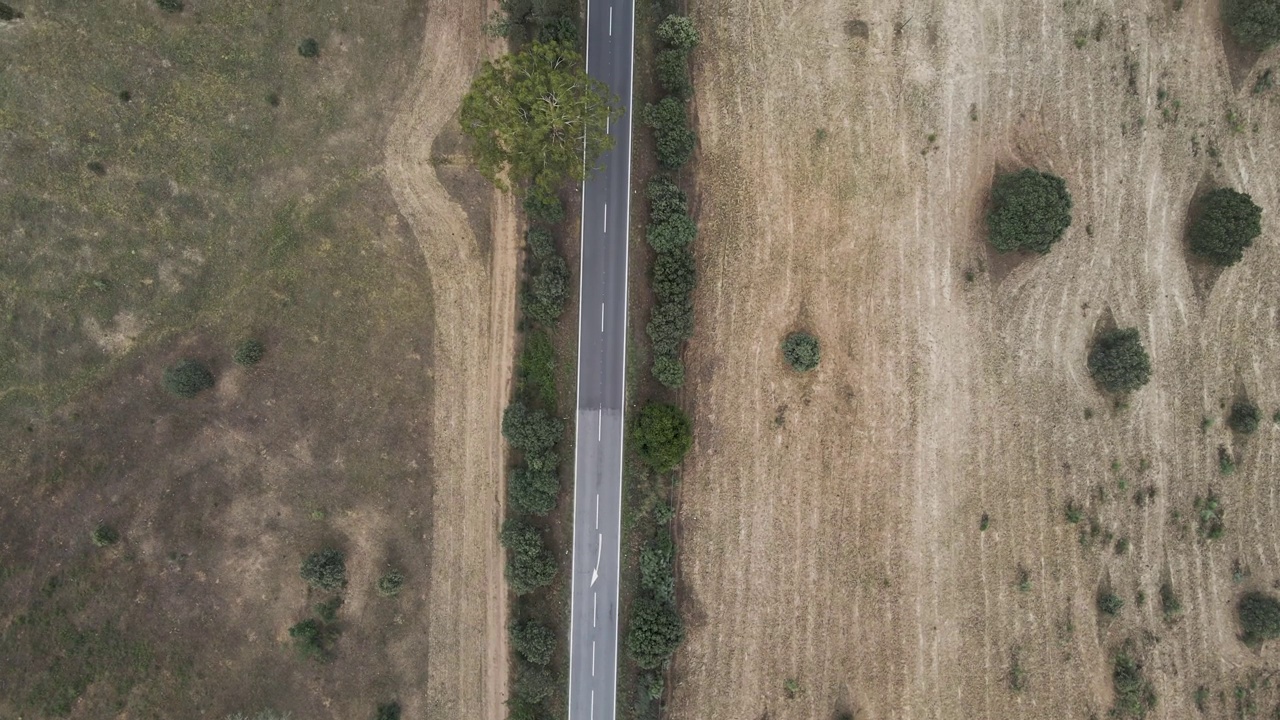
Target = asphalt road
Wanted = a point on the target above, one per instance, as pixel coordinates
(602, 344)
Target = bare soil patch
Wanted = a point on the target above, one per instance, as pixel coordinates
(831, 521)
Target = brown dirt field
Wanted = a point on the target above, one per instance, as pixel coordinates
(471, 247)
(830, 522)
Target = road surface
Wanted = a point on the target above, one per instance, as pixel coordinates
(602, 345)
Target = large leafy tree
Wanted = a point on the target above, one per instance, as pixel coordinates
(662, 435)
(1227, 224)
(656, 632)
(1029, 211)
(532, 113)
(1119, 362)
(1259, 615)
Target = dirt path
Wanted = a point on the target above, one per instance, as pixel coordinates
(831, 521)
(473, 282)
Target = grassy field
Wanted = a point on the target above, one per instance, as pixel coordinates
(889, 536)
(175, 183)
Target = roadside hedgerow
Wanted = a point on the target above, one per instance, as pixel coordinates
(535, 642)
(188, 378)
(801, 351)
(672, 70)
(662, 436)
(1118, 361)
(656, 631)
(543, 206)
(1030, 210)
(1226, 224)
(530, 565)
(673, 138)
(677, 31)
(530, 430)
(325, 569)
(534, 491)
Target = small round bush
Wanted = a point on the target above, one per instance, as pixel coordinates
(1244, 417)
(1259, 615)
(1254, 23)
(533, 641)
(249, 352)
(173, 6)
(391, 584)
(1119, 362)
(1110, 603)
(543, 206)
(188, 378)
(1228, 222)
(678, 32)
(309, 48)
(1029, 211)
(801, 351)
(104, 535)
(325, 569)
(662, 436)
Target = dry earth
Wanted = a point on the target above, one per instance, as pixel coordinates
(831, 521)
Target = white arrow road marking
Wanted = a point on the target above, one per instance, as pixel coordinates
(595, 572)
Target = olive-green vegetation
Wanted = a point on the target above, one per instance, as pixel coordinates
(249, 352)
(390, 584)
(801, 351)
(532, 113)
(1118, 361)
(673, 138)
(1226, 223)
(534, 684)
(533, 641)
(655, 632)
(1254, 23)
(387, 711)
(533, 488)
(188, 378)
(672, 70)
(1135, 695)
(309, 48)
(542, 205)
(535, 370)
(657, 567)
(678, 32)
(1245, 417)
(662, 436)
(1210, 516)
(1030, 210)
(529, 564)
(1259, 615)
(325, 569)
(104, 535)
(530, 430)
(314, 639)
(1109, 603)
(522, 21)
(670, 232)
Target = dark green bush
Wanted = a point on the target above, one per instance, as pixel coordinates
(188, 378)
(1227, 222)
(325, 569)
(309, 48)
(1118, 361)
(547, 292)
(1259, 615)
(671, 324)
(674, 141)
(173, 6)
(662, 436)
(673, 232)
(533, 491)
(1254, 23)
(1029, 211)
(328, 610)
(657, 567)
(313, 639)
(1134, 695)
(391, 584)
(560, 29)
(533, 641)
(7, 13)
(1170, 605)
(1245, 417)
(656, 632)
(535, 371)
(534, 684)
(677, 31)
(541, 243)
(104, 535)
(668, 370)
(388, 711)
(530, 430)
(249, 352)
(543, 206)
(673, 274)
(665, 198)
(530, 565)
(801, 351)
(672, 69)
(1109, 603)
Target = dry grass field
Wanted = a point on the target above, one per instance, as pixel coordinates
(174, 183)
(831, 522)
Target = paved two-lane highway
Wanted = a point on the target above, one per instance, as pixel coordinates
(602, 345)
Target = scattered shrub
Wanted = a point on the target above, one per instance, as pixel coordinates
(541, 243)
(309, 48)
(656, 631)
(1259, 615)
(1169, 603)
(534, 641)
(801, 351)
(325, 569)
(1244, 417)
(531, 565)
(668, 370)
(677, 31)
(562, 30)
(390, 584)
(1118, 361)
(249, 352)
(670, 325)
(672, 69)
(657, 567)
(665, 198)
(104, 535)
(313, 639)
(261, 715)
(533, 491)
(328, 610)
(530, 430)
(662, 436)
(534, 684)
(97, 168)
(673, 232)
(188, 378)
(1227, 223)
(173, 6)
(663, 513)
(1210, 516)
(1030, 211)
(125, 96)
(547, 292)
(1226, 463)
(1254, 23)
(1074, 513)
(387, 711)
(1134, 695)
(792, 688)
(543, 206)
(1109, 603)
(670, 124)
(535, 371)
